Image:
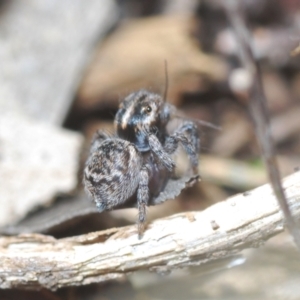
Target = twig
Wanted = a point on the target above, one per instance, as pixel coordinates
(256, 101)
(186, 239)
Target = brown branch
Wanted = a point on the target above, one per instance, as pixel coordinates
(193, 238)
(256, 101)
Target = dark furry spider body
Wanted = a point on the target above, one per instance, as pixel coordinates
(137, 163)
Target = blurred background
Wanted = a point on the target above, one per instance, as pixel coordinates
(65, 67)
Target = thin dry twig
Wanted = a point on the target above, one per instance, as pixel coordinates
(256, 101)
(186, 239)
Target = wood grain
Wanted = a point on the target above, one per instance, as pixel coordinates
(193, 238)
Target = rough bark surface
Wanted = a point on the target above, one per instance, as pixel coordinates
(192, 238)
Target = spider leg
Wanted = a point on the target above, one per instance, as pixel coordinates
(187, 135)
(142, 199)
(98, 138)
(160, 152)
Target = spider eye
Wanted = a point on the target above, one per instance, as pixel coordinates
(147, 109)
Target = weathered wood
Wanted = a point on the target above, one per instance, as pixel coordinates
(192, 238)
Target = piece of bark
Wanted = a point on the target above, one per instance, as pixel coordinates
(133, 57)
(187, 239)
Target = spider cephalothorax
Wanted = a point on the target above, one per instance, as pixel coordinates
(139, 113)
(137, 163)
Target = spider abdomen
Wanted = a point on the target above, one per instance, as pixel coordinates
(112, 173)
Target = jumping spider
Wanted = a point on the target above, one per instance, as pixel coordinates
(137, 164)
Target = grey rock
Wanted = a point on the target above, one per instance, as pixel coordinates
(37, 162)
(44, 49)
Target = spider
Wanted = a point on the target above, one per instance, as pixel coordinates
(136, 164)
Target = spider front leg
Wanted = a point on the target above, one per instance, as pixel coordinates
(142, 198)
(187, 135)
(160, 152)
